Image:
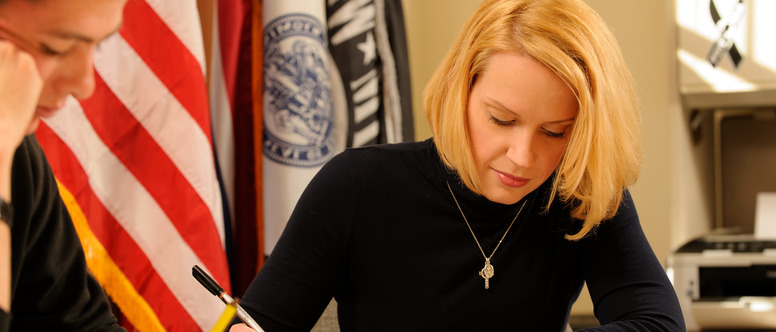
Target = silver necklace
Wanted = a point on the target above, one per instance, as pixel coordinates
(487, 271)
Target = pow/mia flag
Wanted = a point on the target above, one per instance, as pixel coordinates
(368, 46)
(336, 75)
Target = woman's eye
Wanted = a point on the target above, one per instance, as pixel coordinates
(499, 122)
(553, 134)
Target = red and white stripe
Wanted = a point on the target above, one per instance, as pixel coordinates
(223, 74)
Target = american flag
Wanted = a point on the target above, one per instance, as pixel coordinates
(136, 169)
(159, 177)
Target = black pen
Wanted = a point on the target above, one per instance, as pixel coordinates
(214, 288)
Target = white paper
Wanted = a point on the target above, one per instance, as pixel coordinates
(765, 216)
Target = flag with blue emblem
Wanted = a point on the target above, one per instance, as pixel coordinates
(335, 75)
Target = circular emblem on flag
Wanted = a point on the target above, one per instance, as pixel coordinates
(298, 111)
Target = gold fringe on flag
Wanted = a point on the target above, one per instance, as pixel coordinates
(102, 267)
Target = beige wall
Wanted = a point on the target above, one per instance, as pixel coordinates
(431, 25)
(665, 194)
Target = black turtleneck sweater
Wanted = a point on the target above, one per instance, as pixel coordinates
(378, 230)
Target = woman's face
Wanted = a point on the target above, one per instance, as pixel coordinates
(61, 35)
(520, 116)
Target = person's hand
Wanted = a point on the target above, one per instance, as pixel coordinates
(241, 328)
(20, 88)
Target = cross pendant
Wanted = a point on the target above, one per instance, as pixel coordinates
(487, 273)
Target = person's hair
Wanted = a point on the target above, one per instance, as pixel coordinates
(603, 155)
(2, 2)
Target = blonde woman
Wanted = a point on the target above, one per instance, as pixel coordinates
(497, 221)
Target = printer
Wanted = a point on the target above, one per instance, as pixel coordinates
(726, 282)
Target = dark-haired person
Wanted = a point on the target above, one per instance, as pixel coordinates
(46, 53)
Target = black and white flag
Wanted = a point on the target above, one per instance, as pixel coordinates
(368, 46)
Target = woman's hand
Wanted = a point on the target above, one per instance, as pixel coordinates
(241, 328)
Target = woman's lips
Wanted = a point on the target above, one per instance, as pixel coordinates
(511, 181)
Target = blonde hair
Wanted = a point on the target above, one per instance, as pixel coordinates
(603, 155)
